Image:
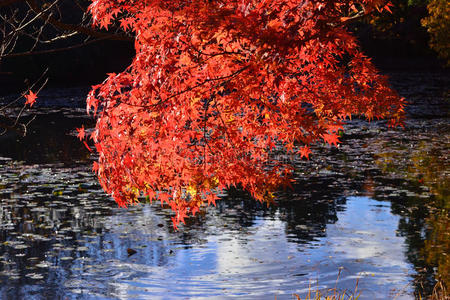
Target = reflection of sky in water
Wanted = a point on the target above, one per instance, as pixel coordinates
(261, 261)
(61, 238)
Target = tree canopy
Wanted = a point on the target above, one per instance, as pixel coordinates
(438, 26)
(217, 86)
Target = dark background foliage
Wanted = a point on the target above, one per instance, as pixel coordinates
(396, 40)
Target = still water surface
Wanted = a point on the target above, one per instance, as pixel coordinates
(61, 240)
(61, 236)
(360, 210)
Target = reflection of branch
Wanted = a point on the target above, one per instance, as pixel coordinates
(8, 124)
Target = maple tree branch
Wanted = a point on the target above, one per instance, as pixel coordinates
(208, 80)
(205, 117)
(186, 90)
(223, 124)
(359, 15)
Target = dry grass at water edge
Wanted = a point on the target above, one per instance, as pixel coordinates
(331, 294)
(439, 293)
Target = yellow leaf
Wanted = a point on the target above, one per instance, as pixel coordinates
(191, 190)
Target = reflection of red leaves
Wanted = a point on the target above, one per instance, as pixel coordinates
(81, 133)
(305, 151)
(31, 98)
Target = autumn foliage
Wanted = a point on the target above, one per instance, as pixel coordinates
(217, 86)
(438, 25)
(30, 98)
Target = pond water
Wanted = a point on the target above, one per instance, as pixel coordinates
(365, 212)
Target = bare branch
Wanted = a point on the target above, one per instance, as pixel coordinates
(78, 28)
(28, 53)
(13, 123)
(35, 27)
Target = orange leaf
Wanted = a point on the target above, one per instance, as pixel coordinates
(31, 98)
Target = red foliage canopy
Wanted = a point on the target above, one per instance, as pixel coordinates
(216, 85)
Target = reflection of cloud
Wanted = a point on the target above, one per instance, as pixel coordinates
(260, 250)
(359, 248)
(364, 233)
(255, 262)
(260, 261)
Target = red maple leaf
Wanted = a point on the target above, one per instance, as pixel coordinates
(331, 138)
(81, 133)
(31, 98)
(126, 23)
(305, 151)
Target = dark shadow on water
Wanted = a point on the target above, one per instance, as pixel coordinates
(50, 138)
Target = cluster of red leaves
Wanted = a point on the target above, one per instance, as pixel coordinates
(217, 85)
